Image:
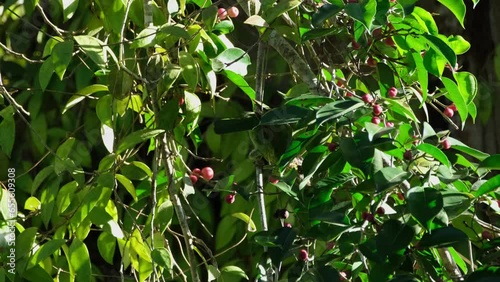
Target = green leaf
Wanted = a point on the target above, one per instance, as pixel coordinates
(489, 186)
(129, 186)
(32, 204)
(40, 177)
(69, 8)
(223, 126)
(426, 17)
(92, 48)
(337, 109)
(193, 109)
(164, 216)
(364, 12)
(145, 38)
(394, 237)
(162, 257)
(408, 6)
(402, 108)
(438, 45)
(491, 162)
(279, 9)
(250, 224)
(48, 200)
(467, 84)
(168, 115)
(456, 97)
(442, 237)
(79, 260)
(209, 15)
(434, 152)
(457, 7)
(308, 100)
(45, 73)
(422, 74)
(455, 203)
(241, 83)
(137, 137)
(61, 57)
(83, 93)
(320, 32)
(284, 115)
(45, 250)
(25, 241)
(189, 69)
(389, 177)
(458, 44)
(224, 27)
(104, 110)
(233, 59)
(8, 130)
(106, 244)
(326, 11)
(424, 204)
(485, 273)
(234, 270)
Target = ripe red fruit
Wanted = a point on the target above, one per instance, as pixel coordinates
(233, 12)
(367, 98)
(343, 276)
(377, 32)
(376, 120)
(281, 213)
(330, 245)
(288, 225)
(348, 94)
(380, 211)
(181, 101)
(392, 92)
(196, 171)
(368, 217)
(389, 124)
(389, 42)
(193, 178)
(486, 235)
(408, 155)
(448, 112)
(446, 144)
(332, 146)
(377, 109)
(207, 173)
(371, 62)
(401, 196)
(230, 198)
(453, 107)
(355, 45)
(303, 255)
(222, 14)
(273, 180)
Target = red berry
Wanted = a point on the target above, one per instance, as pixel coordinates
(389, 124)
(233, 12)
(181, 101)
(377, 32)
(408, 155)
(343, 276)
(401, 196)
(332, 146)
(380, 211)
(377, 109)
(303, 255)
(330, 245)
(273, 180)
(207, 173)
(376, 120)
(348, 94)
(389, 25)
(288, 225)
(453, 107)
(389, 42)
(196, 171)
(230, 198)
(392, 92)
(367, 98)
(193, 178)
(371, 62)
(486, 235)
(448, 112)
(355, 45)
(222, 13)
(339, 83)
(446, 144)
(368, 217)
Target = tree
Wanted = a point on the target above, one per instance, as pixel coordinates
(142, 140)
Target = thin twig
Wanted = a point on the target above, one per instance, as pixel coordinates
(12, 52)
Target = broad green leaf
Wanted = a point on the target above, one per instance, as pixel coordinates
(408, 6)
(45, 73)
(232, 59)
(402, 108)
(458, 44)
(467, 84)
(45, 250)
(386, 77)
(61, 57)
(337, 109)
(108, 137)
(48, 200)
(234, 270)
(364, 12)
(162, 257)
(422, 74)
(250, 224)
(491, 162)
(224, 27)
(438, 45)
(456, 97)
(193, 110)
(457, 145)
(83, 93)
(224, 126)
(284, 115)
(239, 81)
(424, 204)
(65, 195)
(434, 152)
(104, 110)
(189, 69)
(282, 7)
(327, 11)
(394, 237)
(455, 203)
(129, 186)
(389, 177)
(434, 62)
(40, 177)
(308, 100)
(169, 76)
(65, 148)
(69, 8)
(427, 18)
(164, 215)
(485, 273)
(106, 244)
(442, 237)
(32, 204)
(256, 20)
(145, 38)
(209, 15)
(168, 115)
(489, 186)
(79, 260)
(120, 83)
(8, 130)
(92, 48)
(457, 7)
(137, 137)
(25, 241)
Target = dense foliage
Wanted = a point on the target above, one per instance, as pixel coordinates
(275, 140)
